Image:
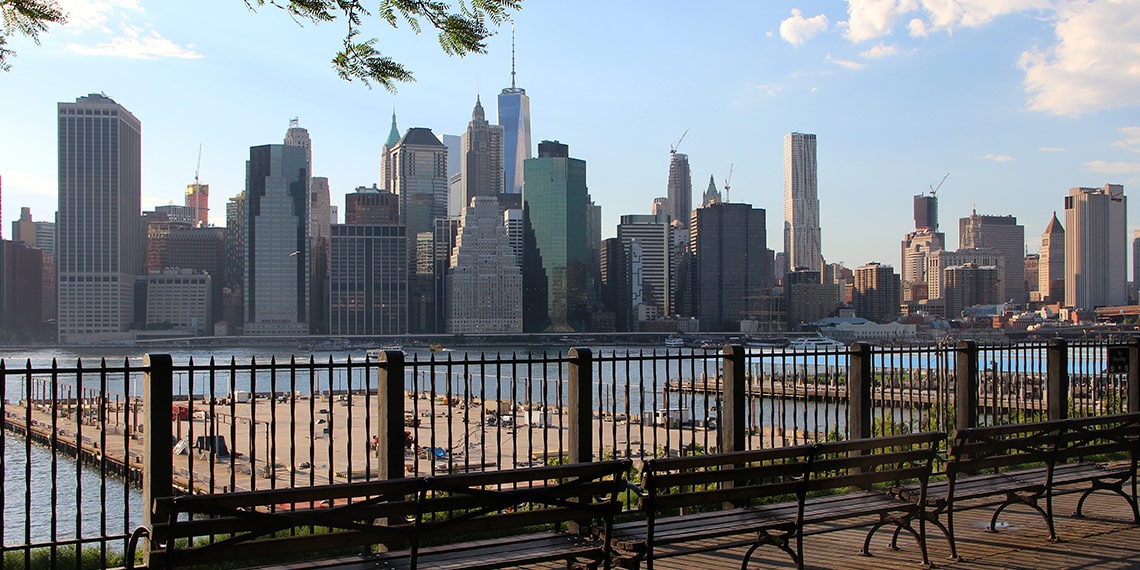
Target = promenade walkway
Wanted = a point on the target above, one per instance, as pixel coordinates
(1105, 540)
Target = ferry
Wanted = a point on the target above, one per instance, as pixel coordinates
(674, 341)
(816, 343)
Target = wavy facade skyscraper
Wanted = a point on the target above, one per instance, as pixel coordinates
(801, 203)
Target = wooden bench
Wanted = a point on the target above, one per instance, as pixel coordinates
(775, 497)
(1023, 464)
(468, 520)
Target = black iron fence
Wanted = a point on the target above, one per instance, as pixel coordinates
(79, 442)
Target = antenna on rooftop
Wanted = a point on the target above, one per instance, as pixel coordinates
(294, 122)
(512, 55)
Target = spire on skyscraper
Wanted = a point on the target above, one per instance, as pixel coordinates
(512, 55)
(477, 114)
(712, 195)
(394, 134)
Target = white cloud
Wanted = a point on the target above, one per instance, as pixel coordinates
(19, 183)
(1093, 65)
(134, 43)
(870, 19)
(85, 15)
(880, 51)
(1052, 149)
(916, 28)
(797, 29)
(770, 88)
(1131, 138)
(847, 63)
(1110, 167)
(996, 157)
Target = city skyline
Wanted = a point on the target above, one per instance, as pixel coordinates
(893, 111)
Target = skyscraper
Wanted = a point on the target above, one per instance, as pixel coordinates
(514, 117)
(1096, 226)
(368, 287)
(277, 247)
(386, 166)
(1051, 263)
(198, 197)
(876, 292)
(801, 203)
(484, 283)
(731, 263)
(99, 233)
(417, 169)
(654, 235)
(1004, 234)
(680, 192)
(481, 158)
(556, 267)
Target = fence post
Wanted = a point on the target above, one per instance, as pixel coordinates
(390, 403)
(966, 394)
(158, 463)
(581, 406)
(1133, 375)
(733, 426)
(859, 391)
(1057, 387)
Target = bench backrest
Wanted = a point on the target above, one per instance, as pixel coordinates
(749, 477)
(468, 505)
(1013, 446)
(259, 525)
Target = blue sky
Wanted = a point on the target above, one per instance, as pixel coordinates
(1018, 100)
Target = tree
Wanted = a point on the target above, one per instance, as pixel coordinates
(463, 28)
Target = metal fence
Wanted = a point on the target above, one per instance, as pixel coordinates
(268, 423)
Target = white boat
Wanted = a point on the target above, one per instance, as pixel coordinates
(674, 342)
(816, 343)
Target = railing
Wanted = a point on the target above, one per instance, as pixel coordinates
(218, 426)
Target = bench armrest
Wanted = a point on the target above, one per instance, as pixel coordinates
(637, 490)
(132, 545)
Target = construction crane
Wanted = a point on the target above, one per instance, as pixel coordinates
(199, 166)
(934, 189)
(728, 182)
(673, 148)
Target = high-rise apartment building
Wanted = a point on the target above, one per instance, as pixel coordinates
(514, 117)
(876, 296)
(557, 265)
(1096, 237)
(1004, 234)
(1051, 263)
(481, 158)
(680, 189)
(729, 278)
(198, 197)
(801, 203)
(277, 246)
(484, 284)
(99, 248)
(938, 261)
(968, 285)
(368, 285)
(654, 236)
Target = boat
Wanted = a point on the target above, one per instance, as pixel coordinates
(674, 341)
(816, 343)
(436, 347)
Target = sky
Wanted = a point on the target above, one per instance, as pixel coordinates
(1018, 100)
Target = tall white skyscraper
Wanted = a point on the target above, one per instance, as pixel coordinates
(514, 117)
(100, 249)
(801, 203)
(1096, 242)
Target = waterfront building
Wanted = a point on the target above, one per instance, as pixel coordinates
(514, 117)
(557, 263)
(418, 175)
(99, 247)
(938, 261)
(969, 285)
(1004, 234)
(179, 300)
(1051, 263)
(484, 283)
(368, 284)
(40, 235)
(877, 295)
(1096, 226)
(320, 219)
(22, 289)
(371, 207)
(616, 283)
(481, 159)
(276, 280)
(198, 197)
(202, 249)
(801, 202)
(654, 237)
(808, 298)
(680, 189)
(729, 278)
